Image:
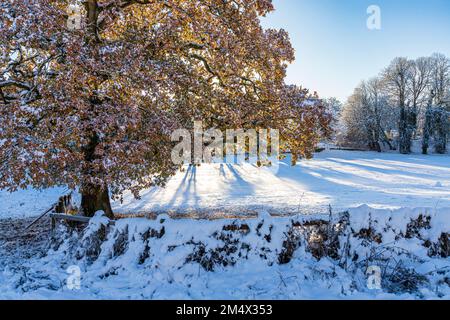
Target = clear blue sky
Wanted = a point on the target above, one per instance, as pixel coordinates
(335, 50)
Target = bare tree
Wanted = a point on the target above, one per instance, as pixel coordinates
(440, 82)
(420, 83)
(353, 121)
(428, 124)
(440, 77)
(409, 92)
(398, 78)
(366, 116)
(334, 108)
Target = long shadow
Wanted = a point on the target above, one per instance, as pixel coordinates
(222, 171)
(323, 186)
(347, 173)
(181, 193)
(182, 188)
(191, 182)
(138, 205)
(390, 171)
(186, 191)
(239, 187)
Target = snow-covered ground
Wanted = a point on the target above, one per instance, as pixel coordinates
(156, 259)
(29, 202)
(298, 257)
(341, 179)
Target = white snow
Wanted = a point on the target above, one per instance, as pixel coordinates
(29, 202)
(167, 274)
(341, 179)
(384, 190)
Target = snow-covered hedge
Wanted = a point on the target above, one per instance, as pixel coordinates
(268, 257)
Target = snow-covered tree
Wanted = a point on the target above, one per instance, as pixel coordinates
(428, 124)
(421, 70)
(436, 124)
(440, 77)
(353, 120)
(441, 88)
(334, 108)
(398, 77)
(90, 100)
(367, 117)
(441, 129)
(415, 94)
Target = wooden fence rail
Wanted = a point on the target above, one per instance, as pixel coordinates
(55, 217)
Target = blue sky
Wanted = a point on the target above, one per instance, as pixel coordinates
(335, 50)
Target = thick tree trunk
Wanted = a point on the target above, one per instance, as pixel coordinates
(95, 198)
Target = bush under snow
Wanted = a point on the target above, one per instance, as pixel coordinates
(300, 257)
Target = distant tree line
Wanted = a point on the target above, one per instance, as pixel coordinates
(409, 100)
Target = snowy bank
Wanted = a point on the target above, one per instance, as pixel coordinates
(299, 257)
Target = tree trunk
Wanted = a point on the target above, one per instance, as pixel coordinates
(404, 132)
(92, 10)
(428, 124)
(427, 130)
(441, 130)
(95, 198)
(385, 140)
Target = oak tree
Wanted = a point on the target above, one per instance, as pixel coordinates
(91, 103)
